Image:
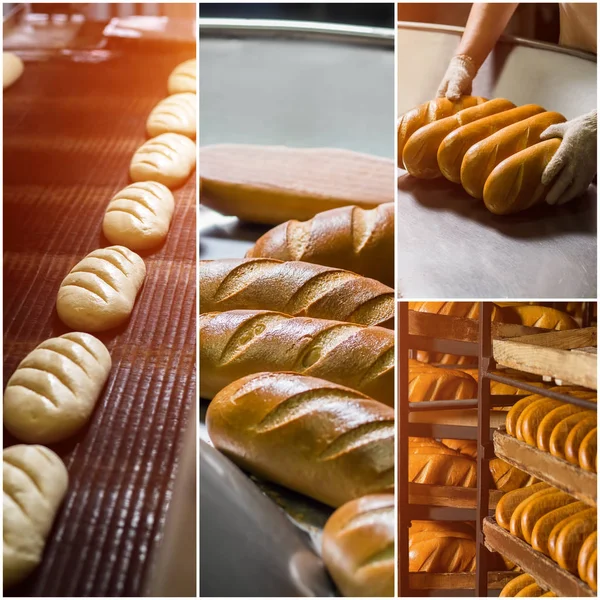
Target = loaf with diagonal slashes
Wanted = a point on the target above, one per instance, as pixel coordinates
(294, 288)
(351, 238)
(318, 438)
(237, 343)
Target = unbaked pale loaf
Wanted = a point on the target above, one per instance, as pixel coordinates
(482, 158)
(420, 152)
(351, 238)
(272, 185)
(358, 546)
(315, 437)
(516, 183)
(237, 343)
(429, 112)
(294, 288)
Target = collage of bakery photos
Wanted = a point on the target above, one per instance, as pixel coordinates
(299, 299)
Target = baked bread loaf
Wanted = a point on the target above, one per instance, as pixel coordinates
(517, 585)
(441, 547)
(543, 317)
(294, 288)
(483, 157)
(516, 183)
(429, 112)
(546, 523)
(570, 539)
(561, 431)
(453, 148)
(589, 546)
(420, 152)
(350, 238)
(273, 184)
(315, 437)
(427, 383)
(576, 437)
(440, 465)
(509, 502)
(238, 343)
(588, 451)
(584, 515)
(358, 546)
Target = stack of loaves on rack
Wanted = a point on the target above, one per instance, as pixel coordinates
(297, 360)
(52, 394)
(562, 429)
(492, 148)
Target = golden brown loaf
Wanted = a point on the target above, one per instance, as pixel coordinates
(482, 158)
(428, 113)
(427, 383)
(434, 465)
(546, 523)
(509, 502)
(315, 437)
(570, 539)
(588, 547)
(543, 317)
(516, 183)
(351, 238)
(453, 148)
(420, 152)
(237, 343)
(358, 546)
(516, 585)
(560, 433)
(588, 451)
(584, 515)
(441, 547)
(576, 437)
(294, 288)
(592, 571)
(515, 519)
(273, 184)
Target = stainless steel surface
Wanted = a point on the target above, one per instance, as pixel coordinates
(294, 84)
(248, 546)
(449, 245)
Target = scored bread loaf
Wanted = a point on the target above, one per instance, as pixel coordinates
(453, 148)
(358, 546)
(237, 343)
(482, 158)
(516, 183)
(318, 438)
(543, 317)
(420, 152)
(294, 288)
(432, 467)
(429, 112)
(441, 547)
(273, 184)
(546, 523)
(427, 383)
(351, 238)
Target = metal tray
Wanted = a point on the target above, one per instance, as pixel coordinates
(295, 84)
(448, 244)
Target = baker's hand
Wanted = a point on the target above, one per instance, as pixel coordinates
(573, 167)
(458, 80)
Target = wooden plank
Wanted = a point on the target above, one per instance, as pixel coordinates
(461, 418)
(445, 495)
(555, 471)
(458, 581)
(544, 570)
(574, 367)
(562, 340)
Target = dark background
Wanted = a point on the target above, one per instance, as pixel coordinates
(372, 14)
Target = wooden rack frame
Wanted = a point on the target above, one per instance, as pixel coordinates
(467, 337)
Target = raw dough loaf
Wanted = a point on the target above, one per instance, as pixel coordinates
(53, 392)
(35, 481)
(183, 78)
(175, 114)
(168, 158)
(139, 216)
(99, 292)
(12, 68)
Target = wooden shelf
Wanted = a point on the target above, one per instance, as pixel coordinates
(559, 473)
(560, 355)
(457, 418)
(458, 581)
(544, 570)
(444, 495)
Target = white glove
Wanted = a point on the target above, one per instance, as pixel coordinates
(574, 164)
(458, 80)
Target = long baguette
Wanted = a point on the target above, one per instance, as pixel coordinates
(294, 288)
(351, 238)
(318, 438)
(238, 343)
(516, 183)
(420, 152)
(482, 158)
(428, 113)
(453, 148)
(546, 523)
(358, 546)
